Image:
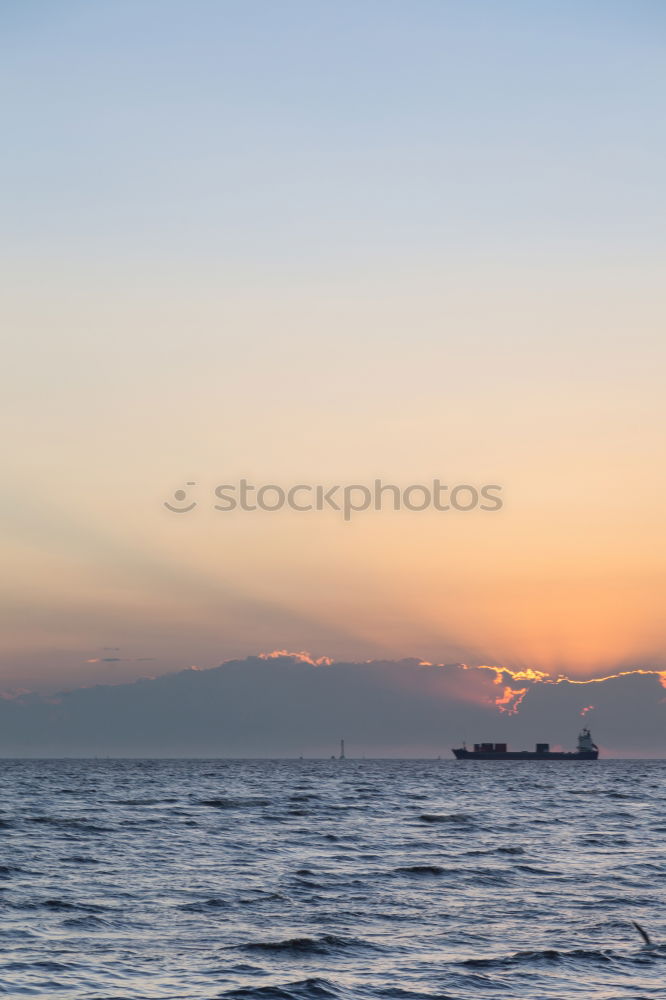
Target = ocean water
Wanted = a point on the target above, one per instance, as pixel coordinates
(349, 879)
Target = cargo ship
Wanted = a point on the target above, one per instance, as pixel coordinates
(586, 750)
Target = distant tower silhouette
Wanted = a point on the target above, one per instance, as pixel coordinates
(342, 749)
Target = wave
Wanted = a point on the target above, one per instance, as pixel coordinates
(58, 905)
(229, 803)
(421, 870)
(73, 823)
(324, 945)
(303, 989)
(205, 905)
(143, 802)
(87, 923)
(7, 870)
(80, 859)
(543, 955)
(461, 818)
(64, 904)
(532, 870)
(44, 965)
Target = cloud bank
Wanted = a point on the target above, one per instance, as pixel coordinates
(288, 704)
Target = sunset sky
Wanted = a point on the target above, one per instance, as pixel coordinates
(327, 243)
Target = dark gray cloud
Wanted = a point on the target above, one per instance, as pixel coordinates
(286, 705)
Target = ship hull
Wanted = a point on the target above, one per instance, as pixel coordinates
(462, 754)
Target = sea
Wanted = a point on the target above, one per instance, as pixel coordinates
(341, 879)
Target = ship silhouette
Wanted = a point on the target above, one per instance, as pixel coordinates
(585, 750)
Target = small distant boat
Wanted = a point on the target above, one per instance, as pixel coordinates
(586, 750)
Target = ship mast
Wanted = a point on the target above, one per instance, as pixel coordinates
(342, 749)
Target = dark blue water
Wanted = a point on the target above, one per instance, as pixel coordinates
(326, 879)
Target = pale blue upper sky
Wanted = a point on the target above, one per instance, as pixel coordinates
(286, 137)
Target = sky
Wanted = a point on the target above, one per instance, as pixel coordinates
(309, 243)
